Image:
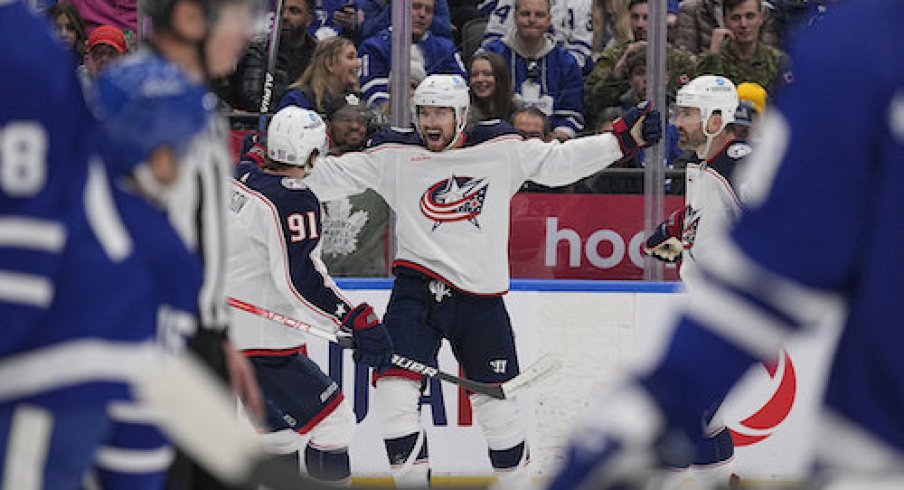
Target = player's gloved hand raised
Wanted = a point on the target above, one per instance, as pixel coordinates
(620, 443)
(372, 344)
(639, 128)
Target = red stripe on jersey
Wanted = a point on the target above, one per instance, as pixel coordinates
(328, 409)
(301, 349)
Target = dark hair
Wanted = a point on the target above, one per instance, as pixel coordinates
(500, 104)
(69, 10)
(728, 5)
(632, 3)
(533, 111)
(635, 59)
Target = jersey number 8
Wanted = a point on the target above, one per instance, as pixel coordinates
(23, 150)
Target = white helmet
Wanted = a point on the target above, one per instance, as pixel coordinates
(294, 133)
(444, 91)
(710, 93)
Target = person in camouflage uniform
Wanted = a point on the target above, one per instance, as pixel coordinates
(608, 81)
(737, 53)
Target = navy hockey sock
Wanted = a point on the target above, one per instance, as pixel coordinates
(327, 466)
(399, 449)
(715, 449)
(507, 458)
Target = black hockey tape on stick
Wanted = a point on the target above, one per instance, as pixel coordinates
(272, 53)
(545, 366)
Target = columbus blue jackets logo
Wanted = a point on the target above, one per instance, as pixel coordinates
(454, 199)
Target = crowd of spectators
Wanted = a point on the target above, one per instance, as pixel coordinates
(577, 63)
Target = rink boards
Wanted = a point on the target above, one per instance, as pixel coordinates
(598, 329)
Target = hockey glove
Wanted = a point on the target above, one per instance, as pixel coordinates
(639, 128)
(664, 243)
(372, 344)
(620, 443)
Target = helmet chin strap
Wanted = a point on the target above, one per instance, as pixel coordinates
(709, 139)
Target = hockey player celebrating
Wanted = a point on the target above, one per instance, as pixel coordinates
(274, 261)
(783, 270)
(450, 187)
(705, 120)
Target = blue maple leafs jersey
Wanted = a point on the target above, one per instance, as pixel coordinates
(440, 56)
(821, 234)
(83, 265)
(275, 225)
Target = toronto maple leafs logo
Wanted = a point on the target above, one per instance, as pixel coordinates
(342, 227)
(454, 199)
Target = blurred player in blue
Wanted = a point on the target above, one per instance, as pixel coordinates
(274, 261)
(820, 236)
(168, 140)
(85, 267)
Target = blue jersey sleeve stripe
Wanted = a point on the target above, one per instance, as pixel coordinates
(103, 217)
(32, 233)
(729, 265)
(25, 289)
(749, 329)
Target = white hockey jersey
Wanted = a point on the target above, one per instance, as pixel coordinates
(452, 207)
(274, 261)
(711, 200)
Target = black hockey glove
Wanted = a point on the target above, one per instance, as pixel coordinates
(639, 128)
(373, 346)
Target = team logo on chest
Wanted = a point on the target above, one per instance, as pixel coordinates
(454, 199)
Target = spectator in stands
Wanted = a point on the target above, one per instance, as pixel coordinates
(355, 229)
(698, 18)
(377, 16)
(120, 13)
(334, 18)
(736, 53)
(543, 74)
(611, 24)
(332, 74)
(636, 71)
(755, 94)
(609, 80)
(296, 47)
(70, 28)
(105, 45)
(531, 122)
(571, 26)
(463, 11)
(751, 107)
(438, 53)
(491, 88)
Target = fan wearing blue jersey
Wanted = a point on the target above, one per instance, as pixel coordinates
(275, 227)
(822, 219)
(451, 187)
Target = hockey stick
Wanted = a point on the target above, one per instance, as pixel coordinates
(545, 366)
(272, 53)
